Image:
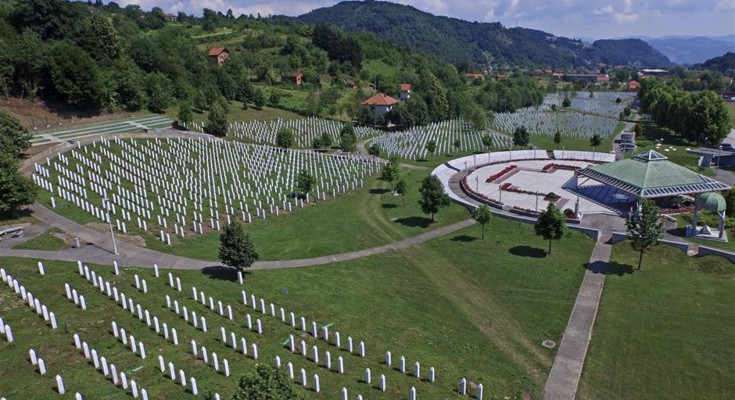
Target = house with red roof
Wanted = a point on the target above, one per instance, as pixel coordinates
(380, 103)
(633, 86)
(219, 54)
(405, 93)
(294, 77)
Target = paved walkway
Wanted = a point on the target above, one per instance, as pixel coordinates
(98, 248)
(567, 369)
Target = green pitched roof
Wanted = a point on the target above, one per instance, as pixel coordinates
(651, 174)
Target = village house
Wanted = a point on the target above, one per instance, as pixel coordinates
(294, 77)
(471, 76)
(405, 92)
(380, 103)
(633, 86)
(219, 54)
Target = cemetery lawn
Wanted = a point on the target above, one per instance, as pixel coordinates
(470, 308)
(366, 217)
(664, 332)
(46, 241)
(236, 113)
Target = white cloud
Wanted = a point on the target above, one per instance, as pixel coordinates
(725, 5)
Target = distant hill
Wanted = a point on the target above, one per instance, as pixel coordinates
(722, 63)
(693, 50)
(485, 43)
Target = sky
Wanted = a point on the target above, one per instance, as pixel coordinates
(570, 18)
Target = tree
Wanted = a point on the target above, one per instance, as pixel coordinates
(566, 103)
(482, 215)
(457, 144)
(14, 138)
(487, 141)
(326, 140)
(236, 249)
(374, 150)
(347, 138)
(401, 189)
(551, 224)
(433, 197)
(557, 139)
(305, 182)
(430, 147)
(265, 382)
(258, 99)
(217, 119)
(185, 114)
(75, 77)
(638, 130)
(595, 141)
(316, 143)
(15, 189)
(644, 229)
(389, 172)
(521, 136)
(284, 138)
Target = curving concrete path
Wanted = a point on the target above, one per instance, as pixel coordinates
(98, 248)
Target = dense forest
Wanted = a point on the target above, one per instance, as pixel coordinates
(480, 44)
(103, 57)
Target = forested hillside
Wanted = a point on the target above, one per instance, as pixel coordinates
(460, 41)
(98, 58)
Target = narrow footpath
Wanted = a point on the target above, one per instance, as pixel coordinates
(567, 369)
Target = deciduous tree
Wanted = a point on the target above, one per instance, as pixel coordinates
(265, 383)
(433, 197)
(551, 224)
(644, 229)
(482, 215)
(236, 249)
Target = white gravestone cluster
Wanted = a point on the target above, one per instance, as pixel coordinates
(183, 186)
(411, 144)
(35, 304)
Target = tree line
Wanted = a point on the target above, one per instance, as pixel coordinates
(698, 117)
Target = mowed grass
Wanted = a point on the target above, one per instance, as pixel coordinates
(664, 332)
(731, 108)
(237, 113)
(469, 308)
(367, 217)
(45, 241)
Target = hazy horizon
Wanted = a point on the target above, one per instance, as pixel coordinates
(570, 18)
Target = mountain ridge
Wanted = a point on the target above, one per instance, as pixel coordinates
(460, 41)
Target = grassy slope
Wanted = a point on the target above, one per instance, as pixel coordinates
(470, 308)
(664, 332)
(731, 108)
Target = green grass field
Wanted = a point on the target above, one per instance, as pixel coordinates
(469, 308)
(46, 241)
(664, 332)
(731, 108)
(647, 141)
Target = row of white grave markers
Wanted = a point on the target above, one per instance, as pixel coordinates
(463, 389)
(72, 295)
(136, 347)
(198, 322)
(127, 303)
(34, 303)
(416, 367)
(100, 364)
(305, 130)
(303, 350)
(198, 171)
(223, 310)
(260, 306)
(6, 331)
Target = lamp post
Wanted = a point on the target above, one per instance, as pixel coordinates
(106, 204)
(477, 183)
(500, 193)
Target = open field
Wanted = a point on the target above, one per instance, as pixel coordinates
(664, 332)
(731, 108)
(675, 145)
(490, 309)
